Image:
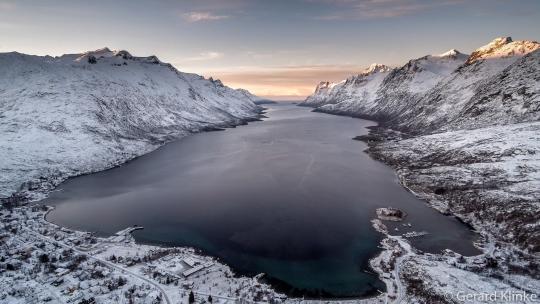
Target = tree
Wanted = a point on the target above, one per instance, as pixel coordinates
(44, 258)
(191, 299)
(209, 299)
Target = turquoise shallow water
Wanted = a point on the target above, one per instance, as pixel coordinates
(292, 197)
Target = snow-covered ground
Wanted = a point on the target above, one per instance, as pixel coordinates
(41, 262)
(489, 176)
(82, 113)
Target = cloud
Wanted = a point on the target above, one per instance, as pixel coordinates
(372, 9)
(202, 16)
(204, 56)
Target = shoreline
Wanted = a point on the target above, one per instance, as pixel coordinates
(390, 276)
(499, 255)
(38, 189)
(200, 254)
(45, 190)
(369, 267)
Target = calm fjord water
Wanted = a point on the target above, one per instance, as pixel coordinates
(292, 197)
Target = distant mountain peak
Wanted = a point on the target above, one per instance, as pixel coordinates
(503, 47)
(95, 56)
(501, 41)
(376, 68)
(322, 86)
(123, 53)
(102, 50)
(105, 51)
(450, 53)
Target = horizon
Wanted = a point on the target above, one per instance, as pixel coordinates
(279, 50)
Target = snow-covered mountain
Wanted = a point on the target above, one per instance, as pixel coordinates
(445, 103)
(79, 113)
(511, 96)
(407, 84)
(386, 94)
(256, 99)
(322, 95)
(353, 94)
(443, 92)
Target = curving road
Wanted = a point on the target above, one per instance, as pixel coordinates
(119, 268)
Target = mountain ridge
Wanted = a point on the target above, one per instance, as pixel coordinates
(428, 93)
(80, 113)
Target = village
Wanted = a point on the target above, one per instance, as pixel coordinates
(41, 262)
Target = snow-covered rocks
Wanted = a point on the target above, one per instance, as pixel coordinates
(488, 177)
(390, 214)
(503, 47)
(81, 113)
(511, 96)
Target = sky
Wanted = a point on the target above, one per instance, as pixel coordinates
(279, 49)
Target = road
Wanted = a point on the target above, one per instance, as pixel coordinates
(114, 266)
(399, 285)
(400, 289)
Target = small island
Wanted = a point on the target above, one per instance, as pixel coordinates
(391, 214)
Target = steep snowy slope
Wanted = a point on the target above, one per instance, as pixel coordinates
(444, 92)
(80, 113)
(324, 94)
(353, 94)
(388, 93)
(445, 102)
(511, 96)
(404, 86)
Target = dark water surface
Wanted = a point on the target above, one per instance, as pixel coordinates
(292, 197)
